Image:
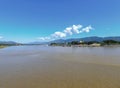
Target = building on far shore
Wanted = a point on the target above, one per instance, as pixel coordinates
(95, 45)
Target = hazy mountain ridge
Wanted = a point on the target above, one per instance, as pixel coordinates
(86, 39)
(8, 42)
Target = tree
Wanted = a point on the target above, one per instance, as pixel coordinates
(74, 42)
(108, 42)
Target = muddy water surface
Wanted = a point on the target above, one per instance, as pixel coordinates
(59, 67)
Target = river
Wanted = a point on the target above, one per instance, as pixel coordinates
(59, 67)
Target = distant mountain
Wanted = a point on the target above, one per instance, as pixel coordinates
(58, 41)
(37, 43)
(112, 38)
(8, 42)
(86, 39)
(41, 43)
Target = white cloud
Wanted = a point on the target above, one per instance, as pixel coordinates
(68, 30)
(59, 35)
(75, 29)
(87, 29)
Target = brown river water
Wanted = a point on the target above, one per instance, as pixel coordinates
(59, 67)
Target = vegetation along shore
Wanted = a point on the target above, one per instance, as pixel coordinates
(88, 44)
(75, 42)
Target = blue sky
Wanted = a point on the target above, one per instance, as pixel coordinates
(44, 20)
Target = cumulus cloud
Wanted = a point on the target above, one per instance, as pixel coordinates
(74, 29)
(59, 35)
(87, 29)
(68, 30)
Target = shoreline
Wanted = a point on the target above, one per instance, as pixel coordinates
(88, 45)
(1, 47)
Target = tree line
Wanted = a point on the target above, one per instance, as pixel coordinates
(105, 42)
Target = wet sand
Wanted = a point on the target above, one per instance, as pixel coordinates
(59, 67)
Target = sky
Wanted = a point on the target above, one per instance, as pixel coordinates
(46, 20)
